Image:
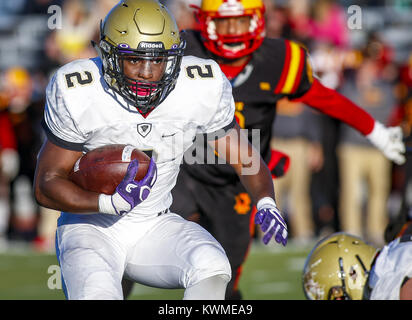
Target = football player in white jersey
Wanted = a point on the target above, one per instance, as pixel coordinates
(142, 92)
(344, 267)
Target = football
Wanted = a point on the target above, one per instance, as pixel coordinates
(102, 169)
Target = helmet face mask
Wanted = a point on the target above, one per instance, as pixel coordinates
(337, 268)
(230, 46)
(141, 32)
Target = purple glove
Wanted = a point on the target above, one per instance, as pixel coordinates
(270, 218)
(129, 193)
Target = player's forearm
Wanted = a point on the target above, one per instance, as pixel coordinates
(61, 194)
(258, 185)
(334, 104)
(247, 162)
(254, 174)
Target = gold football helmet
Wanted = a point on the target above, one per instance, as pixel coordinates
(231, 46)
(140, 29)
(337, 268)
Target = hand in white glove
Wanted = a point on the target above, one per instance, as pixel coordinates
(389, 141)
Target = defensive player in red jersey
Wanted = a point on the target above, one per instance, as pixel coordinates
(261, 71)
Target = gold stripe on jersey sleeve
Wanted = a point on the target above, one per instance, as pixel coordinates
(295, 58)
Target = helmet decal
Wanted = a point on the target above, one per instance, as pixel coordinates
(123, 45)
(230, 7)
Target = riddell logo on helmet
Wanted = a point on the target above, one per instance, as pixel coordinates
(231, 7)
(150, 45)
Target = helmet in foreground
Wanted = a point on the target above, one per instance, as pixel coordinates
(337, 268)
(231, 46)
(140, 30)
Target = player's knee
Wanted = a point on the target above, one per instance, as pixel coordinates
(210, 260)
(212, 288)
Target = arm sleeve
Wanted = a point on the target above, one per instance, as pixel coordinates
(58, 123)
(298, 83)
(337, 106)
(297, 73)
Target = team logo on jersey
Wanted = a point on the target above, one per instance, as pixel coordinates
(243, 76)
(144, 129)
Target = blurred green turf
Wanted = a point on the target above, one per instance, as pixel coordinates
(270, 273)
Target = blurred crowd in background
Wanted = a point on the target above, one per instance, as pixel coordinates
(337, 180)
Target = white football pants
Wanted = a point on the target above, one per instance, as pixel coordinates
(94, 251)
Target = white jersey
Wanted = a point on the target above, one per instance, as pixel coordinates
(392, 266)
(82, 113)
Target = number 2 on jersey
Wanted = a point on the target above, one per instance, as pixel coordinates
(204, 71)
(72, 79)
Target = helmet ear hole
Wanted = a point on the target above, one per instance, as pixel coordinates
(353, 273)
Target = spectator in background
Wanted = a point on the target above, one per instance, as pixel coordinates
(40, 6)
(80, 25)
(297, 132)
(322, 21)
(372, 88)
(329, 63)
(277, 20)
(328, 23)
(321, 25)
(404, 117)
(183, 12)
(18, 86)
(298, 12)
(9, 161)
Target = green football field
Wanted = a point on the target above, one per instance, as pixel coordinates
(270, 273)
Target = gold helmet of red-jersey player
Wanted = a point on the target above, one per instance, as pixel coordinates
(231, 46)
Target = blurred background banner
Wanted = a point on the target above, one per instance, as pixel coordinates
(339, 181)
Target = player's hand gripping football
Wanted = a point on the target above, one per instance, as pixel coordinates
(389, 141)
(271, 222)
(129, 193)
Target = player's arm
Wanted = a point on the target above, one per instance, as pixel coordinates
(406, 290)
(332, 103)
(52, 187)
(63, 147)
(298, 83)
(235, 148)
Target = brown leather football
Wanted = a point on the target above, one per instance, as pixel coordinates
(102, 169)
